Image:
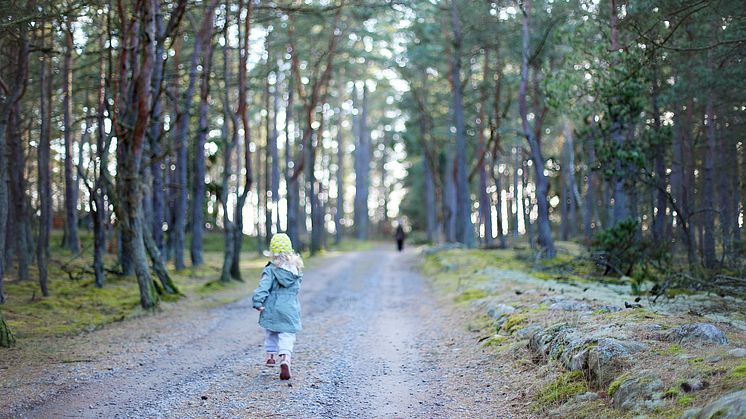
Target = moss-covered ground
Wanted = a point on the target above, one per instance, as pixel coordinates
(477, 279)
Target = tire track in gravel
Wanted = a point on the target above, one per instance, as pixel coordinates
(375, 344)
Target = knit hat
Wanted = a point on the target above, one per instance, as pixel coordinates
(280, 244)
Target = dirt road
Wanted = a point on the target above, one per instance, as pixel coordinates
(376, 343)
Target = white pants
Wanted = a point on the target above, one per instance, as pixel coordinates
(280, 343)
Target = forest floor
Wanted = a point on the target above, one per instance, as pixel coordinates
(380, 339)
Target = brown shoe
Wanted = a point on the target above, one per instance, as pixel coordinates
(269, 359)
(284, 367)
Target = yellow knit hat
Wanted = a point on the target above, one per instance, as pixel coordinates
(280, 243)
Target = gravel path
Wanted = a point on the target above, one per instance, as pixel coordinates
(376, 343)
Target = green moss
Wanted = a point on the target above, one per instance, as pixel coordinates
(697, 360)
(672, 392)
(514, 322)
(739, 371)
(496, 340)
(674, 349)
(685, 400)
(565, 386)
(614, 386)
(470, 294)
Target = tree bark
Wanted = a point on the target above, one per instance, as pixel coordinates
(44, 182)
(708, 187)
(6, 337)
(542, 183)
(182, 129)
(71, 240)
(362, 170)
(463, 199)
(198, 181)
(339, 212)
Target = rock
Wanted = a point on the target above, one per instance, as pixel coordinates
(585, 397)
(528, 331)
(571, 305)
(737, 353)
(694, 384)
(541, 340)
(730, 406)
(713, 359)
(697, 333)
(608, 309)
(609, 357)
(641, 391)
(500, 311)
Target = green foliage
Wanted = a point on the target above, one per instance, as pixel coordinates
(623, 250)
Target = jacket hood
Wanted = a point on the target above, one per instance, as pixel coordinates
(285, 277)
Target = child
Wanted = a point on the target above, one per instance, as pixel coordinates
(276, 299)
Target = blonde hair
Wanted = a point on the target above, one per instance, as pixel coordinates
(288, 259)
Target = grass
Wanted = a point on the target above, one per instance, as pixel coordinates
(75, 305)
(561, 389)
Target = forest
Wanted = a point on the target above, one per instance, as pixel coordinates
(141, 128)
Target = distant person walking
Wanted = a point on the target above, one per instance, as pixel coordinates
(276, 299)
(400, 235)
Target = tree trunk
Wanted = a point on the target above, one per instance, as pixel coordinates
(542, 183)
(708, 189)
(6, 337)
(339, 212)
(463, 198)
(362, 170)
(19, 215)
(132, 123)
(156, 217)
(449, 197)
(182, 129)
(198, 181)
(590, 194)
(71, 240)
(517, 200)
(275, 155)
(43, 170)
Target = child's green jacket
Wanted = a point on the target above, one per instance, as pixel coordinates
(278, 294)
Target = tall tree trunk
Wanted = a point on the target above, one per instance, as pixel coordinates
(661, 200)
(19, 215)
(71, 240)
(133, 115)
(362, 170)
(275, 155)
(156, 217)
(542, 183)
(621, 201)
(339, 212)
(708, 187)
(485, 207)
(198, 181)
(591, 185)
(243, 114)
(463, 198)
(43, 170)
(182, 129)
(450, 197)
(517, 200)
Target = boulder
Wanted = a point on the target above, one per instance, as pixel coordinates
(609, 357)
(571, 305)
(638, 392)
(500, 310)
(730, 406)
(737, 353)
(528, 331)
(697, 333)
